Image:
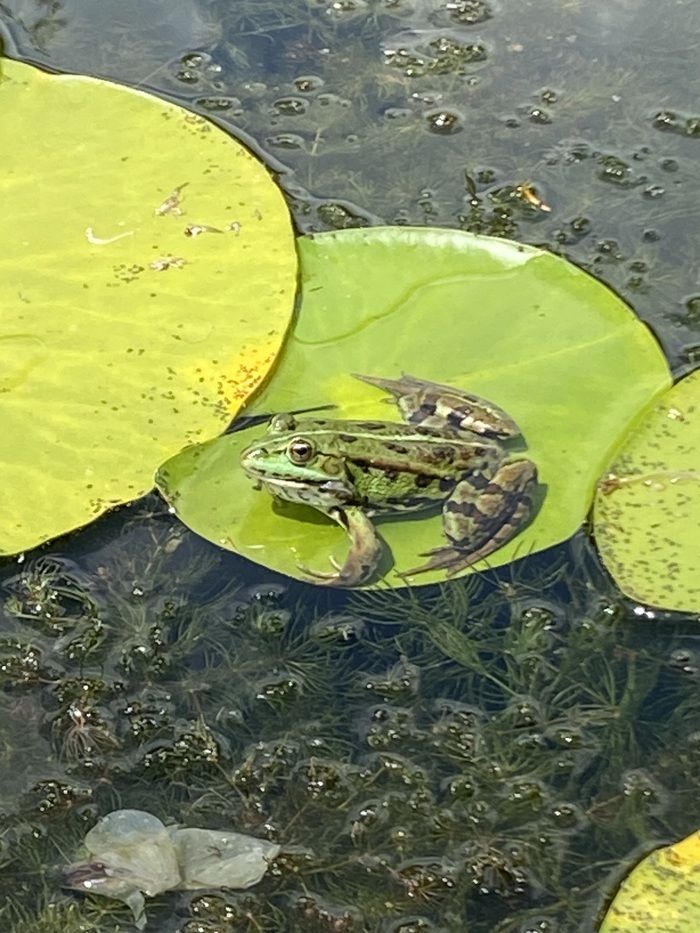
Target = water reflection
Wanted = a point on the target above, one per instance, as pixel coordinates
(116, 38)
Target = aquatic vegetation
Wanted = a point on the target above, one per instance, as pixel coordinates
(673, 122)
(81, 734)
(411, 752)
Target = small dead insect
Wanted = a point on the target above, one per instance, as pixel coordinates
(171, 205)
(610, 483)
(198, 229)
(528, 193)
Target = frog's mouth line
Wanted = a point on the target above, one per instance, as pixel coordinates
(323, 485)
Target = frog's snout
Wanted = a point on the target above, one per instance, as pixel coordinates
(251, 458)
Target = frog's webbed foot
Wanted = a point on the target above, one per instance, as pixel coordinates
(364, 554)
(478, 521)
(320, 575)
(433, 405)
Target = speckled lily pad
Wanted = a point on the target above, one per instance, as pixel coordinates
(661, 894)
(147, 278)
(647, 510)
(561, 353)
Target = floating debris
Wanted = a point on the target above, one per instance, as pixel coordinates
(198, 229)
(173, 203)
(167, 262)
(134, 856)
(104, 241)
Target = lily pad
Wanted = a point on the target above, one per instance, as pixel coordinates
(147, 281)
(561, 353)
(647, 510)
(661, 893)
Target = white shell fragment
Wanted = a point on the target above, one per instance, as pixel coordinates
(132, 854)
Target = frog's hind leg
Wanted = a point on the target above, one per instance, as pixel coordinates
(437, 406)
(481, 516)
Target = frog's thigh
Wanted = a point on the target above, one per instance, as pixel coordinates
(480, 516)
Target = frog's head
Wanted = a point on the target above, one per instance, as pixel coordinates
(299, 467)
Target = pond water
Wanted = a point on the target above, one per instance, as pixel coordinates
(490, 755)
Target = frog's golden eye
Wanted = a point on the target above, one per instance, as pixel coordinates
(300, 450)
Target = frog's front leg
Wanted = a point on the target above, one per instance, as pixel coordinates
(365, 550)
(483, 514)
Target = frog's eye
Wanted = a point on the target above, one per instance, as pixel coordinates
(300, 450)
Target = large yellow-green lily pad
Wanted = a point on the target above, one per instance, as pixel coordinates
(647, 510)
(661, 894)
(147, 278)
(545, 341)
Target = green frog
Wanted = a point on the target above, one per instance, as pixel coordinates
(449, 451)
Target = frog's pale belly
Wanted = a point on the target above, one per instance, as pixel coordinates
(354, 469)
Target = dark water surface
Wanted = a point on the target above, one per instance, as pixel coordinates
(489, 756)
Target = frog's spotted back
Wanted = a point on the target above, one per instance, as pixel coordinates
(446, 452)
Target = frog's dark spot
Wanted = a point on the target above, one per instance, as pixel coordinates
(479, 481)
(465, 508)
(422, 481)
(493, 489)
(391, 475)
(426, 410)
(370, 425)
(396, 448)
(446, 483)
(444, 453)
(455, 418)
(406, 503)
(348, 438)
(525, 498)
